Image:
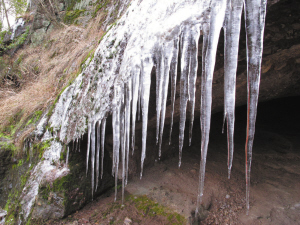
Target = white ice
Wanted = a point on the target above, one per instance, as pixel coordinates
(151, 36)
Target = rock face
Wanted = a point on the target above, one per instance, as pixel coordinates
(63, 196)
(5, 165)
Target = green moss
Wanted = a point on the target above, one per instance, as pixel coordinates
(20, 163)
(105, 33)
(40, 148)
(55, 101)
(100, 4)
(8, 146)
(14, 123)
(151, 208)
(70, 4)
(16, 42)
(13, 202)
(71, 16)
(89, 57)
(35, 117)
(19, 60)
(4, 136)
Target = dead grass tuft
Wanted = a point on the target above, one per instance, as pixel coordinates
(46, 69)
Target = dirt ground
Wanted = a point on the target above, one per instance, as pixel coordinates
(275, 182)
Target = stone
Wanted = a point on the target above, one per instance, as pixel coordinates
(61, 7)
(3, 214)
(127, 221)
(38, 21)
(46, 23)
(38, 36)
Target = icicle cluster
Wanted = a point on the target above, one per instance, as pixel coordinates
(155, 34)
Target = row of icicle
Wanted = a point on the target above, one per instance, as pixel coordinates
(134, 95)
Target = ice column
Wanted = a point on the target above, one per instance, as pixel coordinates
(210, 43)
(231, 27)
(147, 66)
(255, 12)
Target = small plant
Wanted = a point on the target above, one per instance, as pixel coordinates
(71, 16)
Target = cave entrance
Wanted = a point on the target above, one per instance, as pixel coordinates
(275, 183)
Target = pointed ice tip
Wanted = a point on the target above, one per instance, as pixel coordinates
(179, 163)
(196, 211)
(229, 173)
(141, 175)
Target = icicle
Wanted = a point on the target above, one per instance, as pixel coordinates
(189, 41)
(210, 42)
(183, 89)
(139, 101)
(193, 48)
(67, 157)
(135, 96)
(166, 59)
(232, 26)
(159, 86)
(88, 148)
(146, 82)
(255, 11)
(173, 70)
(128, 99)
(93, 145)
(78, 145)
(116, 136)
(103, 126)
(98, 153)
(122, 140)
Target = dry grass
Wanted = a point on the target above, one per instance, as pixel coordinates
(48, 68)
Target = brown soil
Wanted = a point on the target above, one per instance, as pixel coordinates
(275, 183)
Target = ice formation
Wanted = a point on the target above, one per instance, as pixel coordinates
(44, 169)
(19, 23)
(155, 34)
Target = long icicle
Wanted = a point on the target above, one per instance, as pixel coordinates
(173, 71)
(193, 48)
(146, 82)
(128, 99)
(122, 140)
(232, 25)
(185, 67)
(135, 96)
(210, 38)
(255, 12)
(116, 135)
(159, 87)
(93, 145)
(167, 57)
(88, 148)
(103, 126)
(98, 153)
